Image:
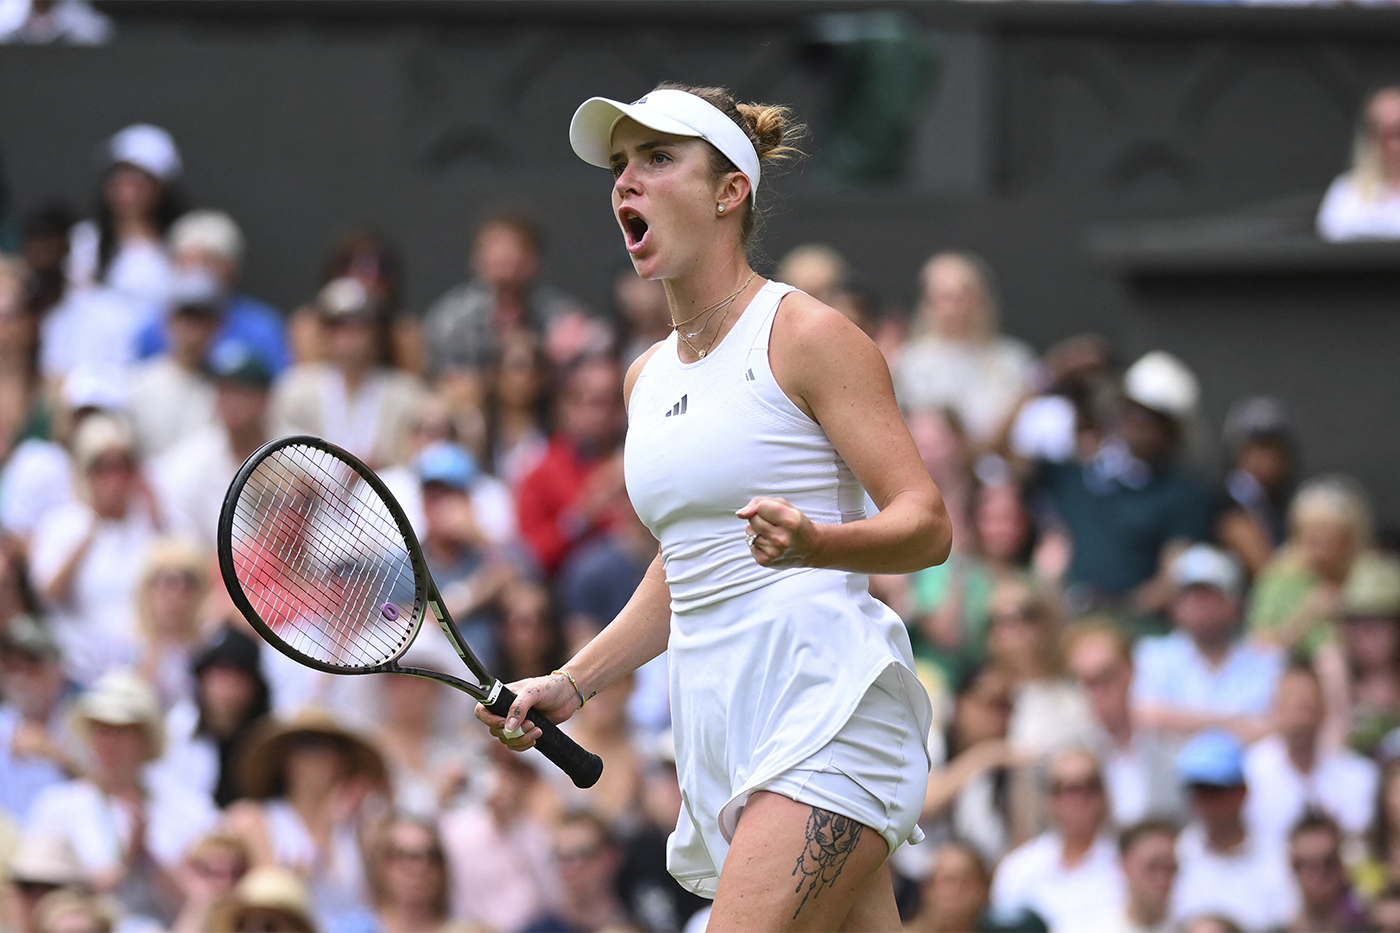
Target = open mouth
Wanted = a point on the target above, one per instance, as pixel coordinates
(633, 227)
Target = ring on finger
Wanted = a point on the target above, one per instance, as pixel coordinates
(750, 540)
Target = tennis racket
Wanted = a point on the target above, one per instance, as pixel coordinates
(318, 555)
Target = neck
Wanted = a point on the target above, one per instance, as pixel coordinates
(190, 359)
(1214, 649)
(314, 807)
(410, 918)
(1146, 914)
(1224, 837)
(118, 784)
(694, 301)
(135, 228)
(1302, 752)
(1319, 918)
(1075, 848)
(1119, 727)
(246, 440)
(354, 375)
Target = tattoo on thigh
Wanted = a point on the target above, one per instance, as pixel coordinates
(831, 838)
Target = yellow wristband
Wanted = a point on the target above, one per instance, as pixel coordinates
(581, 700)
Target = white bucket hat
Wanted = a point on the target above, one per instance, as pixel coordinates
(668, 110)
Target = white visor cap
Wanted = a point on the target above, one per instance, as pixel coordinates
(679, 113)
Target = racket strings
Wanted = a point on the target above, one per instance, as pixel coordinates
(322, 561)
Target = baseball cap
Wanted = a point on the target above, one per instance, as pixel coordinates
(1258, 416)
(344, 299)
(210, 231)
(25, 633)
(235, 361)
(196, 289)
(1163, 383)
(668, 110)
(96, 385)
(446, 463)
(147, 147)
(1203, 565)
(1214, 757)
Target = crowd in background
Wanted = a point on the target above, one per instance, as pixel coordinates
(1168, 692)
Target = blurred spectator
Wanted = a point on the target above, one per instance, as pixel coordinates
(1051, 711)
(1364, 203)
(1327, 902)
(946, 452)
(1202, 676)
(644, 316)
(174, 581)
(587, 860)
(208, 874)
(531, 638)
(171, 397)
(570, 494)
(1129, 504)
(206, 732)
(69, 910)
(210, 242)
(1297, 595)
(954, 896)
(37, 748)
(816, 269)
(516, 407)
(1066, 873)
(1147, 857)
(191, 478)
(15, 595)
(1291, 772)
(652, 896)
(20, 407)
(270, 899)
(352, 399)
(124, 247)
(1254, 497)
(956, 357)
(129, 832)
(969, 795)
(1138, 767)
(602, 728)
(429, 758)
(1064, 418)
(1384, 912)
(498, 849)
(82, 564)
(952, 602)
(1224, 868)
(312, 786)
(601, 575)
(1370, 623)
(45, 254)
(408, 879)
(41, 864)
(373, 261)
(38, 475)
(44, 22)
(465, 326)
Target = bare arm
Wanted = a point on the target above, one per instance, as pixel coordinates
(638, 634)
(838, 377)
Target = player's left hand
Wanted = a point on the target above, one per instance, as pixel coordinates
(779, 534)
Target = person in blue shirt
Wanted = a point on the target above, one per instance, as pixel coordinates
(211, 241)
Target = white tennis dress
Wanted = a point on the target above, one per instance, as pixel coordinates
(767, 666)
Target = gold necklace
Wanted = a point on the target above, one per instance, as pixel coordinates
(725, 303)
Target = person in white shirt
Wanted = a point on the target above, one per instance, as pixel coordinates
(128, 830)
(1291, 772)
(1226, 870)
(1147, 853)
(1364, 203)
(1138, 765)
(1066, 873)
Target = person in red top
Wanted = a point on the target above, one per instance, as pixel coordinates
(569, 494)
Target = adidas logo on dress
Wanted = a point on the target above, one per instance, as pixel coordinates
(679, 407)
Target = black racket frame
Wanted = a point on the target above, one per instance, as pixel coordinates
(583, 767)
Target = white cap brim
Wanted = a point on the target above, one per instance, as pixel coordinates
(671, 111)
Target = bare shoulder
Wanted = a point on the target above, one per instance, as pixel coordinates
(814, 345)
(635, 370)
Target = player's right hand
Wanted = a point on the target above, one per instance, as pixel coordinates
(553, 695)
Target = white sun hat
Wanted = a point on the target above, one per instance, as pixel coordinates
(1163, 383)
(668, 110)
(147, 147)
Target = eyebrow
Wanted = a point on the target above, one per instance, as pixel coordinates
(643, 147)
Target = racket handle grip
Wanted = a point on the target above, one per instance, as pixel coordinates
(582, 766)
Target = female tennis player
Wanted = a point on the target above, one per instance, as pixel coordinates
(799, 726)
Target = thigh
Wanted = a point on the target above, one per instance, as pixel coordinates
(792, 866)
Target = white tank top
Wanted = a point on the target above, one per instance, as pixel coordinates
(704, 438)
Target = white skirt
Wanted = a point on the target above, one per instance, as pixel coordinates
(804, 688)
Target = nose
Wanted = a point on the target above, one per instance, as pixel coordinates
(625, 182)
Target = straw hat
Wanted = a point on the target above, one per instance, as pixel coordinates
(270, 888)
(47, 858)
(121, 697)
(264, 762)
